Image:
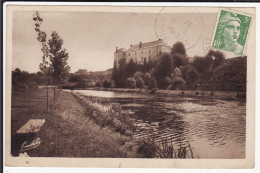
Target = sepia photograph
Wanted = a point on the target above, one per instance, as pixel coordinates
(169, 85)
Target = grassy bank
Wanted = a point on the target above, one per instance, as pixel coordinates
(105, 112)
(67, 131)
(84, 127)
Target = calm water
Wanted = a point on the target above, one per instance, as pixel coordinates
(214, 128)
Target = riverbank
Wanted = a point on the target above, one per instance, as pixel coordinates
(79, 127)
(67, 131)
(225, 95)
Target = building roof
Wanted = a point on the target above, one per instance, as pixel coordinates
(121, 50)
(150, 44)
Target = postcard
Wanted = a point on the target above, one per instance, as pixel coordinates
(130, 86)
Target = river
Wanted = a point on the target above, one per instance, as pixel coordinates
(214, 128)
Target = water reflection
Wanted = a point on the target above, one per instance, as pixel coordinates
(214, 128)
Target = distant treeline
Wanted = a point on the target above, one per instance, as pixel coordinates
(24, 79)
(79, 79)
(176, 70)
(84, 79)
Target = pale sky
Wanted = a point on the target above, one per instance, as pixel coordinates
(91, 37)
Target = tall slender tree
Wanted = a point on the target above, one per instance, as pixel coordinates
(58, 57)
(42, 38)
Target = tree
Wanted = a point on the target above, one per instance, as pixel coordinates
(189, 74)
(140, 82)
(178, 47)
(202, 63)
(114, 73)
(58, 58)
(138, 74)
(131, 83)
(164, 68)
(179, 60)
(146, 78)
(165, 82)
(231, 75)
(152, 83)
(107, 83)
(42, 38)
(131, 68)
(219, 59)
(176, 78)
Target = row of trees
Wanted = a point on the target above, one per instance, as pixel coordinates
(175, 70)
(24, 79)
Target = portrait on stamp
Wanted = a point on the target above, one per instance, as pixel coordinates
(231, 32)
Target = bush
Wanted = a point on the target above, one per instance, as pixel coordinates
(140, 83)
(98, 84)
(107, 84)
(146, 78)
(152, 83)
(131, 83)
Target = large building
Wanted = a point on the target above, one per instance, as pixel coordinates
(149, 51)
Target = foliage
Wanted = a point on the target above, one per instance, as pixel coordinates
(108, 114)
(140, 83)
(202, 63)
(164, 68)
(75, 78)
(42, 38)
(165, 82)
(176, 71)
(107, 83)
(138, 74)
(179, 48)
(218, 57)
(58, 58)
(98, 84)
(146, 78)
(189, 74)
(179, 60)
(231, 75)
(177, 81)
(131, 83)
(152, 83)
(24, 79)
(149, 148)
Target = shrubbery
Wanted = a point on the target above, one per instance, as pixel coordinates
(176, 71)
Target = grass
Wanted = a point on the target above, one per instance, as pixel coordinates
(149, 148)
(84, 127)
(110, 114)
(67, 131)
(105, 114)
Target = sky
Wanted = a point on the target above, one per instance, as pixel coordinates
(91, 38)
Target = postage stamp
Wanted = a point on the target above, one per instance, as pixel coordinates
(231, 32)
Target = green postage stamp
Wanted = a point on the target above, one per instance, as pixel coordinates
(231, 32)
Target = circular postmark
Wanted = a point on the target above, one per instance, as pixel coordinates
(179, 27)
(207, 36)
